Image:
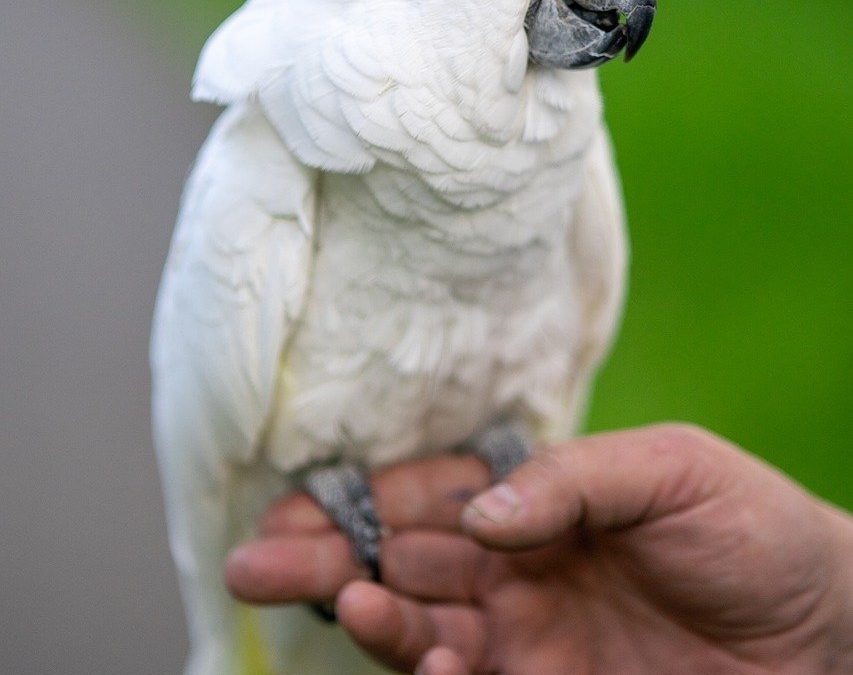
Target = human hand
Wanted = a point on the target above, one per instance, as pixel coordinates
(663, 549)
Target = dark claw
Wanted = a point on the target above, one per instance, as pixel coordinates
(326, 613)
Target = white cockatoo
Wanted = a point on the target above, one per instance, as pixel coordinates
(403, 235)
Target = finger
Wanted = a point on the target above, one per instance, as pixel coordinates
(429, 493)
(608, 481)
(434, 566)
(291, 569)
(399, 631)
(296, 513)
(442, 661)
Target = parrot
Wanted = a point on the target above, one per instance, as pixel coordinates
(405, 234)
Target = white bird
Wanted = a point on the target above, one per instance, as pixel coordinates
(404, 234)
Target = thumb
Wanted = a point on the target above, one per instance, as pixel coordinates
(601, 482)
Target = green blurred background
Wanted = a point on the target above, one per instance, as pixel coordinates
(734, 140)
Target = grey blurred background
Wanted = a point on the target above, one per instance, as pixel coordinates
(96, 135)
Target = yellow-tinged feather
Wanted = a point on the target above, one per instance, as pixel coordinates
(252, 652)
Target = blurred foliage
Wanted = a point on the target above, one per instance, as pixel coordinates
(734, 139)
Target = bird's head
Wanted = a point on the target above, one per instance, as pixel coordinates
(586, 33)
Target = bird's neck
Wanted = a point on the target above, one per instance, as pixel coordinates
(480, 54)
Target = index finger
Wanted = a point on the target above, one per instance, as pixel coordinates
(429, 493)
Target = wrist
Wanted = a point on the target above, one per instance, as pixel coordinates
(840, 628)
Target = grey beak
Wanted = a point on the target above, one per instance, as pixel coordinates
(586, 33)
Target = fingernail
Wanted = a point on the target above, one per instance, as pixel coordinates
(497, 505)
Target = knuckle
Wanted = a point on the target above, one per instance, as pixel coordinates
(679, 437)
(549, 464)
(688, 450)
(681, 447)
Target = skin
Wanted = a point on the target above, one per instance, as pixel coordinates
(656, 550)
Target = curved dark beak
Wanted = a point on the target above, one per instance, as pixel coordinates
(586, 33)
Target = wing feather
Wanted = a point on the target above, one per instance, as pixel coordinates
(599, 248)
(234, 285)
(598, 258)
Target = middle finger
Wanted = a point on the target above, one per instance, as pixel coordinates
(431, 565)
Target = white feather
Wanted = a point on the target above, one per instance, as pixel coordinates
(397, 229)
(236, 278)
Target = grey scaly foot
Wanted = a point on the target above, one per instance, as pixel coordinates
(504, 446)
(344, 493)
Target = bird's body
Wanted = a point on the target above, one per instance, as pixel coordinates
(388, 242)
